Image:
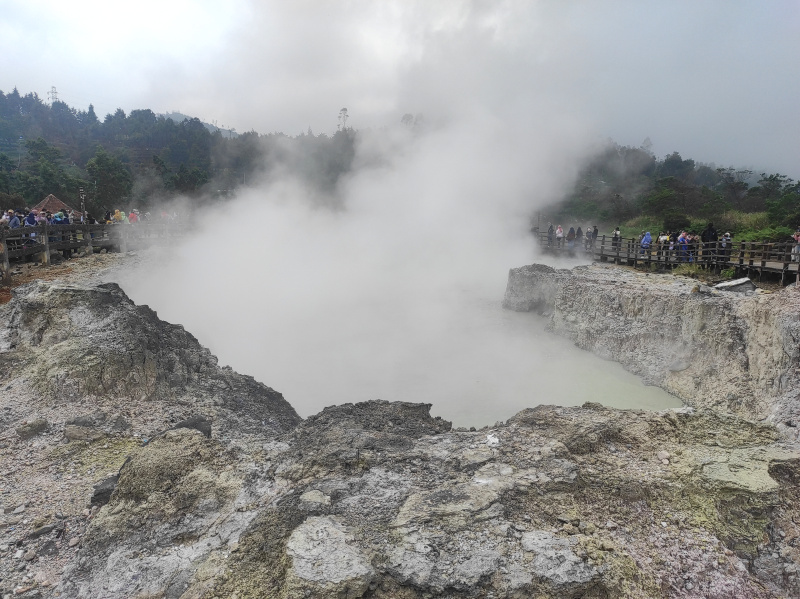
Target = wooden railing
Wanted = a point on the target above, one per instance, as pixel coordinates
(746, 257)
(40, 241)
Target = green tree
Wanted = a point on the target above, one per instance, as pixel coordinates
(733, 184)
(111, 179)
(39, 149)
(675, 166)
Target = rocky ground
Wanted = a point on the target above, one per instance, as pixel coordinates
(132, 465)
(735, 352)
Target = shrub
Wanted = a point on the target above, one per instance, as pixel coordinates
(736, 222)
(768, 235)
(689, 270)
(634, 226)
(676, 222)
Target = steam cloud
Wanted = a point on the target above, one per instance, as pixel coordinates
(397, 294)
(394, 296)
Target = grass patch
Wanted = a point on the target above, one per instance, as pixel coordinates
(737, 222)
(690, 270)
(103, 456)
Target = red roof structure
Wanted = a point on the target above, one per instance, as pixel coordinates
(53, 204)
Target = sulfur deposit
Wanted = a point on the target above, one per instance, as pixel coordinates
(134, 466)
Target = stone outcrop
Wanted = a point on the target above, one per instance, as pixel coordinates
(558, 502)
(93, 346)
(733, 352)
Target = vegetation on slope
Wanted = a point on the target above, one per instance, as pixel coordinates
(631, 187)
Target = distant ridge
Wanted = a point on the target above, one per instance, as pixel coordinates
(179, 117)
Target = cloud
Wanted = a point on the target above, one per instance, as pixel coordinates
(714, 80)
(395, 294)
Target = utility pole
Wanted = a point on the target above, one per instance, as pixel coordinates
(83, 203)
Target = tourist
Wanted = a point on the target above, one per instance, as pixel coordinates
(579, 237)
(645, 243)
(595, 233)
(30, 221)
(796, 248)
(616, 238)
(663, 243)
(13, 220)
(694, 241)
(559, 236)
(571, 238)
(550, 233)
(725, 245)
(683, 246)
(709, 238)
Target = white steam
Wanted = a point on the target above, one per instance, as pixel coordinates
(397, 295)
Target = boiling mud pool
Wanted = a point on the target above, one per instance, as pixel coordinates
(511, 362)
(482, 365)
(455, 349)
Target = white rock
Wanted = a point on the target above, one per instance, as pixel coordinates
(324, 563)
(315, 496)
(555, 560)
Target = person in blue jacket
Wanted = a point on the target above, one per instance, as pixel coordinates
(647, 240)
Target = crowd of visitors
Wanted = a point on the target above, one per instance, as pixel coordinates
(687, 246)
(680, 246)
(573, 238)
(14, 219)
(22, 219)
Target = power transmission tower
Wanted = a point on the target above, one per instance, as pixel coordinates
(53, 94)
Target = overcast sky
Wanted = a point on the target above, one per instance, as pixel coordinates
(718, 81)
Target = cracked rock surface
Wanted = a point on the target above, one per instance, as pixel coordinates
(738, 353)
(222, 491)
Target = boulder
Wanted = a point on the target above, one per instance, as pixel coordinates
(31, 429)
(739, 285)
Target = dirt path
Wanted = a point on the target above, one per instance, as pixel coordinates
(78, 269)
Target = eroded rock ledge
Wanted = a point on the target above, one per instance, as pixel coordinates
(559, 502)
(733, 352)
(374, 499)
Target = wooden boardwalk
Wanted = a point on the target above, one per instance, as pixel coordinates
(37, 243)
(746, 258)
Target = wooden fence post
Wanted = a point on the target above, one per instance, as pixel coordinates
(87, 237)
(46, 241)
(6, 262)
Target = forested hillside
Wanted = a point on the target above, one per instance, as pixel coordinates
(132, 160)
(631, 187)
(138, 159)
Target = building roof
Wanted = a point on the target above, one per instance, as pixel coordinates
(53, 204)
